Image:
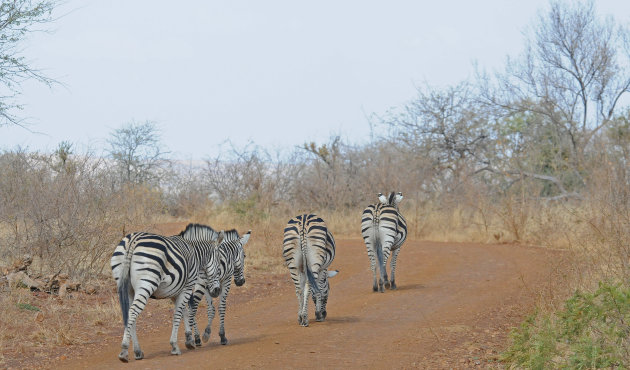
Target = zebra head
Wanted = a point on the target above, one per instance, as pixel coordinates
(329, 274)
(239, 263)
(213, 267)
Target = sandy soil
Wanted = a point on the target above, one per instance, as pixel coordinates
(453, 309)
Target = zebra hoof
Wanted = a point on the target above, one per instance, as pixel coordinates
(206, 334)
(139, 355)
(198, 342)
(324, 313)
(124, 355)
(375, 288)
(319, 317)
(224, 340)
(388, 285)
(190, 343)
(303, 321)
(175, 351)
(394, 287)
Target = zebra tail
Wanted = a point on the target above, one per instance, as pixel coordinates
(378, 246)
(124, 285)
(307, 267)
(123, 295)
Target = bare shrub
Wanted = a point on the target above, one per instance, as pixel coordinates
(68, 216)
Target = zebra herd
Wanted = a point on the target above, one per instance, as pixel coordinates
(201, 261)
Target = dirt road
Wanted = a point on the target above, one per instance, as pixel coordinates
(453, 308)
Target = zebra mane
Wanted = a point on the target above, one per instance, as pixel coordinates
(231, 235)
(390, 198)
(199, 232)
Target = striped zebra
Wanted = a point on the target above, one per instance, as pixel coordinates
(147, 265)
(309, 248)
(232, 264)
(384, 230)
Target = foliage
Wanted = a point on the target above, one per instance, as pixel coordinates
(27, 306)
(592, 331)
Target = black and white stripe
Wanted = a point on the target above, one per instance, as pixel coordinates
(309, 248)
(147, 265)
(232, 264)
(384, 230)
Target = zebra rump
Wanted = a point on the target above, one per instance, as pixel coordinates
(384, 230)
(308, 250)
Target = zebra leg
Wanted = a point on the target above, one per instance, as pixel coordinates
(305, 293)
(373, 267)
(301, 291)
(139, 302)
(189, 321)
(318, 307)
(210, 310)
(224, 292)
(393, 263)
(382, 279)
(138, 354)
(386, 252)
(317, 299)
(193, 305)
(180, 308)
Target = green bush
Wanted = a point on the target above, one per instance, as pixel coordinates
(27, 306)
(590, 332)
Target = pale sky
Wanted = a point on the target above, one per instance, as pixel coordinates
(279, 73)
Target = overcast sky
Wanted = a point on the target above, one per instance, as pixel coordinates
(278, 73)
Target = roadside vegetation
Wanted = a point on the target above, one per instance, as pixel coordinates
(537, 153)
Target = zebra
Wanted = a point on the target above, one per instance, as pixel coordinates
(384, 230)
(147, 265)
(232, 258)
(308, 250)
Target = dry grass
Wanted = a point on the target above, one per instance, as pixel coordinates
(33, 324)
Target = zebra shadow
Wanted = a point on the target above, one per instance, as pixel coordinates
(411, 287)
(341, 319)
(212, 345)
(234, 341)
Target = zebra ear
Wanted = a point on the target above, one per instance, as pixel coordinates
(382, 198)
(245, 238)
(332, 273)
(220, 237)
(398, 197)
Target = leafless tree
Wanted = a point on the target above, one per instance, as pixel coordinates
(19, 18)
(137, 150)
(568, 83)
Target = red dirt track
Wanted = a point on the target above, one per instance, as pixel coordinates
(454, 306)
